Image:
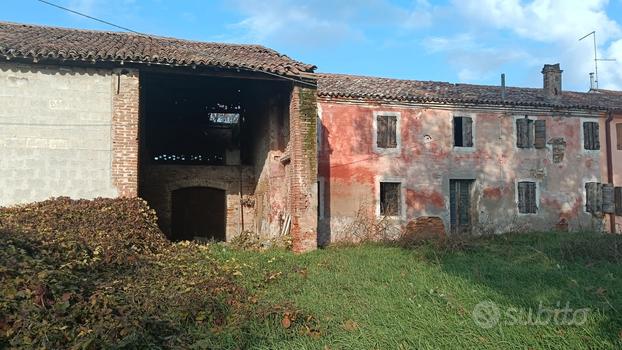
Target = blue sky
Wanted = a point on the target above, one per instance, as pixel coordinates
(469, 41)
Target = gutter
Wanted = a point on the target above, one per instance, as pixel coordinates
(612, 216)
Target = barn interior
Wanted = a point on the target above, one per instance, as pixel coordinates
(210, 146)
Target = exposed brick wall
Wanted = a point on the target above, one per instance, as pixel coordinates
(125, 118)
(159, 182)
(303, 178)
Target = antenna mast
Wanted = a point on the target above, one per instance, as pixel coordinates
(596, 59)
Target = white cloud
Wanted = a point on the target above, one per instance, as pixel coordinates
(558, 24)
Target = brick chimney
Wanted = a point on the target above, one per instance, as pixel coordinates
(552, 80)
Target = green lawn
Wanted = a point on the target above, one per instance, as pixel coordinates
(388, 297)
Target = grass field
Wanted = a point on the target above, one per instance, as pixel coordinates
(77, 274)
(384, 297)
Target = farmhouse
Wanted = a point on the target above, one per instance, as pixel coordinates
(223, 138)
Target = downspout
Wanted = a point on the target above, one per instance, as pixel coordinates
(612, 216)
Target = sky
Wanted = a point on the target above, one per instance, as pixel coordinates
(465, 41)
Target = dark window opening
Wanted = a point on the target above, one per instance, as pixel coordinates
(527, 198)
(198, 213)
(387, 131)
(591, 139)
(390, 197)
(460, 205)
(619, 135)
(463, 132)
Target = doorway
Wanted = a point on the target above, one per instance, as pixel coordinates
(460, 205)
(199, 213)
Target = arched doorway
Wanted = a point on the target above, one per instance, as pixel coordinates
(198, 213)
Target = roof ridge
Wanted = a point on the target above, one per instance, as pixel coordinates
(137, 33)
(450, 83)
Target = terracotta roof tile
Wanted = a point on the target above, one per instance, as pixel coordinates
(30, 41)
(362, 87)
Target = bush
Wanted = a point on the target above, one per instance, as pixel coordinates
(99, 274)
(117, 230)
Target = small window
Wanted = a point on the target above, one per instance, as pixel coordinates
(591, 139)
(463, 132)
(390, 196)
(524, 133)
(530, 133)
(387, 131)
(619, 135)
(593, 198)
(527, 201)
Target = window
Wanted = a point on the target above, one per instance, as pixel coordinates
(390, 198)
(463, 132)
(530, 133)
(527, 199)
(386, 131)
(619, 135)
(601, 198)
(590, 136)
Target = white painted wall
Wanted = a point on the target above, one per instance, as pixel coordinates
(55, 133)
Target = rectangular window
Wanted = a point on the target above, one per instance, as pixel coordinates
(463, 132)
(390, 198)
(619, 135)
(591, 140)
(539, 134)
(460, 205)
(527, 199)
(524, 133)
(387, 131)
(593, 198)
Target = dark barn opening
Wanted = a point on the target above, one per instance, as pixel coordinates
(198, 213)
(207, 131)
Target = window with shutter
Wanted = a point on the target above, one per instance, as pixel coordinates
(619, 135)
(593, 198)
(527, 198)
(382, 127)
(591, 139)
(524, 132)
(460, 205)
(463, 132)
(608, 198)
(390, 198)
(618, 199)
(386, 136)
(540, 134)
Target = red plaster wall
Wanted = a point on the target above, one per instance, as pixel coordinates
(347, 159)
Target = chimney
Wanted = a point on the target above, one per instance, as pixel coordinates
(552, 80)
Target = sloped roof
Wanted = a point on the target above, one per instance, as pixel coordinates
(30, 41)
(373, 88)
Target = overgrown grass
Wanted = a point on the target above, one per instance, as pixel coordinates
(98, 274)
(379, 296)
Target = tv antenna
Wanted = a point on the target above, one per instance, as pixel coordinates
(596, 59)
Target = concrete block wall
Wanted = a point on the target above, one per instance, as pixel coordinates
(55, 132)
